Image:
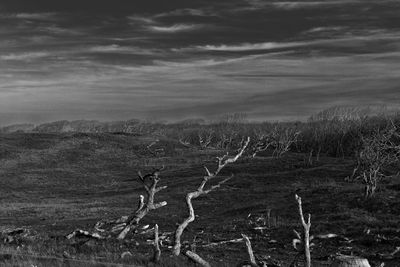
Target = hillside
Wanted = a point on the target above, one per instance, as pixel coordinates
(52, 184)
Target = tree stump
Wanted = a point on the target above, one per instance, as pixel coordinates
(350, 261)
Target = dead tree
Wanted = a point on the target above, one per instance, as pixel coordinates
(149, 182)
(283, 140)
(303, 239)
(222, 162)
(378, 151)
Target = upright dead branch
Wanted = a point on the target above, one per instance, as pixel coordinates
(157, 251)
(252, 259)
(304, 238)
(149, 182)
(222, 162)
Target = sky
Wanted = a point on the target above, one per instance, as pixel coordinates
(178, 59)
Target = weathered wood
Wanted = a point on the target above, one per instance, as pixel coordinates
(157, 250)
(306, 233)
(222, 162)
(349, 261)
(144, 208)
(196, 258)
(252, 259)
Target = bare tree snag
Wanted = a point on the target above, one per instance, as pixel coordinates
(252, 259)
(144, 207)
(304, 239)
(157, 251)
(222, 162)
(196, 258)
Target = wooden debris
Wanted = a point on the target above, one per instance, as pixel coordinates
(78, 233)
(252, 259)
(196, 258)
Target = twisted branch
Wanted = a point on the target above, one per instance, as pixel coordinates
(222, 162)
(144, 207)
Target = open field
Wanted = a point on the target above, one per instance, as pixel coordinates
(53, 184)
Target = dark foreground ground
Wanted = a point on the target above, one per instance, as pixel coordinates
(53, 184)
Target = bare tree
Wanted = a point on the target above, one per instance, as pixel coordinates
(222, 162)
(283, 140)
(149, 182)
(378, 151)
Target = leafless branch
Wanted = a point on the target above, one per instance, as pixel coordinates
(222, 162)
(252, 259)
(149, 182)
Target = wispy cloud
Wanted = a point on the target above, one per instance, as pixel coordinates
(249, 46)
(309, 4)
(36, 16)
(188, 12)
(175, 28)
(138, 19)
(24, 56)
(114, 48)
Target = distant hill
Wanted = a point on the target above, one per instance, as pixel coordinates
(85, 126)
(17, 128)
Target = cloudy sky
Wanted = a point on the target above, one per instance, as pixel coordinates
(121, 59)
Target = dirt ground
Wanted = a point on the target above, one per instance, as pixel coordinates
(52, 184)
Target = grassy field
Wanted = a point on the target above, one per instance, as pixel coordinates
(52, 184)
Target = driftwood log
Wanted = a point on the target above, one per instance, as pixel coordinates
(349, 261)
(222, 162)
